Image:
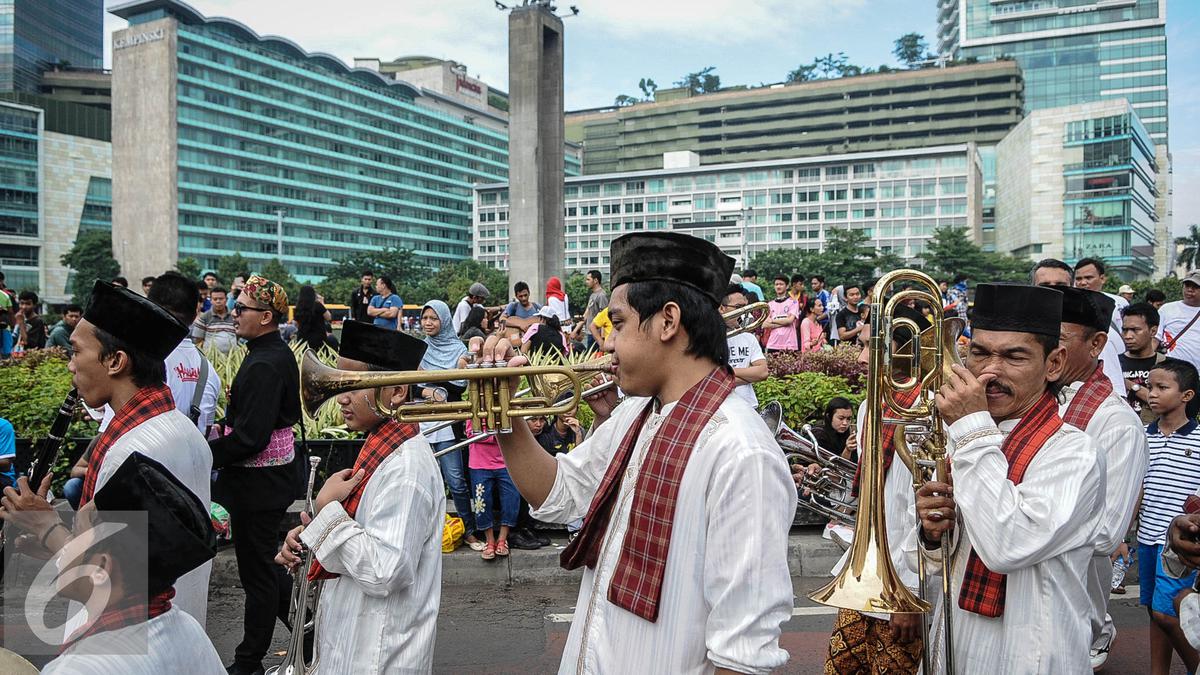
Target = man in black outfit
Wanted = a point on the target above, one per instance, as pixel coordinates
(360, 299)
(258, 477)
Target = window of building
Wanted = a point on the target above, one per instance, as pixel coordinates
(835, 195)
(808, 175)
(864, 192)
(835, 173)
(781, 197)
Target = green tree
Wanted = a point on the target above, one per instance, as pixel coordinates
(405, 269)
(701, 82)
(1189, 257)
(451, 282)
(803, 73)
(230, 266)
(575, 286)
(623, 100)
(951, 252)
(783, 261)
(188, 267)
(848, 256)
(649, 88)
(91, 258)
(910, 49)
(832, 64)
(275, 271)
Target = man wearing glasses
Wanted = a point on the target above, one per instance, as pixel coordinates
(254, 454)
(745, 355)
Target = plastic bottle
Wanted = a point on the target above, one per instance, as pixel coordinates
(1118, 572)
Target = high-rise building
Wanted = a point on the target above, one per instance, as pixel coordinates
(896, 197)
(56, 161)
(900, 110)
(1077, 182)
(1070, 51)
(38, 35)
(227, 141)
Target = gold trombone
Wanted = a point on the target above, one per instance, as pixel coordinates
(869, 582)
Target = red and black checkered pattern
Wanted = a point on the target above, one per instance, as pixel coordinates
(904, 399)
(1088, 399)
(379, 445)
(983, 590)
(147, 403)
(638, 579)
(120, 617)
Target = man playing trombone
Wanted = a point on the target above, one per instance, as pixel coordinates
(377, 529)
(687, 497)
(1026, 497)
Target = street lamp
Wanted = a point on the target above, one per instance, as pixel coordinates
(745, 248)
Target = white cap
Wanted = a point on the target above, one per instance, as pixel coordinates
(1125, 288)
(546, 311)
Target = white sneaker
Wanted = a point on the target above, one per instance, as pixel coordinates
(1100, 654)
(842, 535)
(826, 534)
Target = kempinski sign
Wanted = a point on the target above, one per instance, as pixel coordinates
(139, 38)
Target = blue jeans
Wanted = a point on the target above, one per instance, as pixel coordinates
(73, 491)
(487, 481)
(456, 480)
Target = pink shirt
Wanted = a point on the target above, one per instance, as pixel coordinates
(812, 337)
(784, 337)
(485, 453)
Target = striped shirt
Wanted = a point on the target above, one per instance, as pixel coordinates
(1174, 474)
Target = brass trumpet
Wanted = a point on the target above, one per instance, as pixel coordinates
(827, 492)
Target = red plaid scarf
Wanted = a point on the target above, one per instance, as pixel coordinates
(1087, 400)
(380, 445)
(904, 398)
(983, 590)
(148, 402)
(120, 617)
(637, 582)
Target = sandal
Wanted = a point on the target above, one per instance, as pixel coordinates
(475, 544)
(502, 548)
(489, 552)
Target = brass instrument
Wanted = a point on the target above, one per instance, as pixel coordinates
(826, 492)
(294, 662)
(747, 320)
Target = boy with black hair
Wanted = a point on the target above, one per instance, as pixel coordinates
(1139, 324)
(1173, 475)
(33, 328)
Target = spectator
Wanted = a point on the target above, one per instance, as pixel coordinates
(956, 298)
(1173, 474)
(1177, 331)
(836, 435)
(33, 328)
(173, 292)
(386, 306)
(477, 294)
(837, 300)
(489, 476)
(473, 326)
(597, 299)
(360, 299)
(559, 303)
(784, 317)
(311, 320)
(5, 290)
(120, 281)
(1052, 272)
(557, 438)
(205, 293)
(60, 335)
(745, 355)
(238, 282)
(1139, 324)
(750, 283)
(847, 321)
(521, 313)
(443, 352)
(600, 327)
(1090, 274)
(944, 287)
(1126, 291)
(797, 291)
(216, 326)
(547, 335)
(1156, 298)
(812, 335)
(210, 279)
(818, 288)
(147, 282)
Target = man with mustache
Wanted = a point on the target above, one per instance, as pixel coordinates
(1025, 498)
(686, 494)
(1091, 404)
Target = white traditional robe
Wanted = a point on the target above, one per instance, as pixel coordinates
(173, 441)
(1040, 533)
(170, 643)
(1120, 436)
(726, 589)
(380, 615)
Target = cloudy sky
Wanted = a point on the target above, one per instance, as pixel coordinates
(614, 43)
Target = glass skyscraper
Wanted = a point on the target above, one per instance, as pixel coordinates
(267, 150)
(38, 34)
(1070, 51)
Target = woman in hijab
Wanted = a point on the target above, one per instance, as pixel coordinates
(557, 300)
(443, 350)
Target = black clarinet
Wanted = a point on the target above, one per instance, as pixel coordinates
(51, 445)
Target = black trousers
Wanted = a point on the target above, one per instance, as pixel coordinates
(268, 587)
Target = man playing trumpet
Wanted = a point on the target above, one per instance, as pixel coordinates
(1026, 498)
(377, 529)
(687, 497)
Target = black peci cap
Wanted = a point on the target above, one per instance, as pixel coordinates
(1017, 308)
(1087, 308)
(134, 319)
(672, 257)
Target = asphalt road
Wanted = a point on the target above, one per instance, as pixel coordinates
(522, 630)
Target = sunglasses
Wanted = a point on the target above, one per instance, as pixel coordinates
(238, 308)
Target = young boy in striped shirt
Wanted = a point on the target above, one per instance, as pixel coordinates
(1173, 474)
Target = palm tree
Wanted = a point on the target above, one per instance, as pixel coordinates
(1189, 257)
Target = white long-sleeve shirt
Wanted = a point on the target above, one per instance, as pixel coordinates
(1040, 533)
(380, 615)
(183, 376)
(727, 589)
(170, 643)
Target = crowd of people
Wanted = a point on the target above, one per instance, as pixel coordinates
(1071, 426)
